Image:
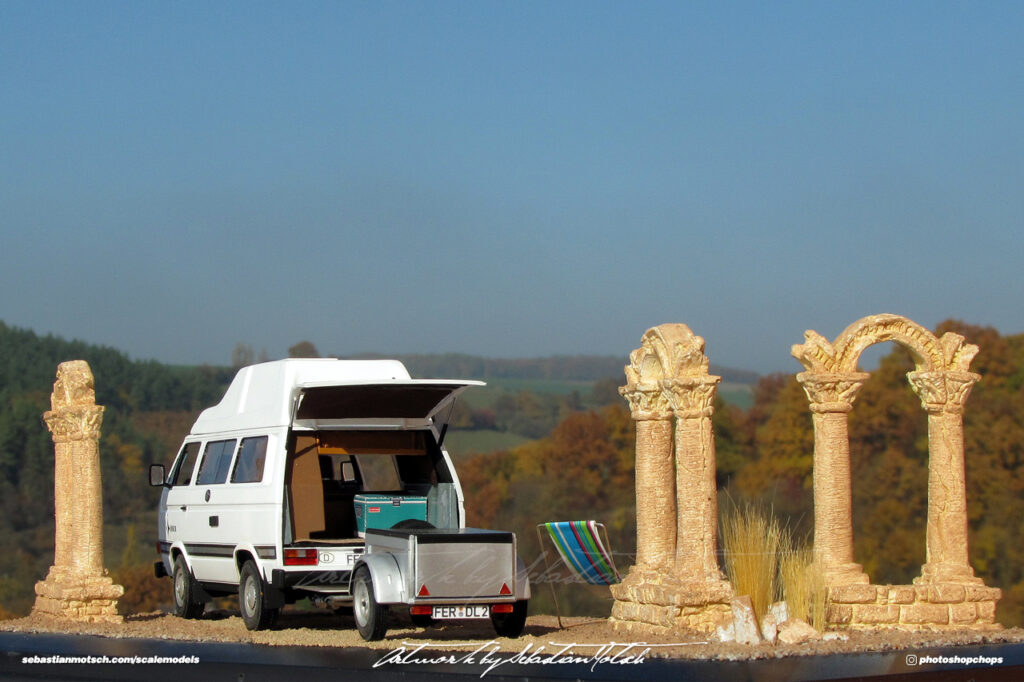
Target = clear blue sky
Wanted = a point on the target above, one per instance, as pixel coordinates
(506, 178)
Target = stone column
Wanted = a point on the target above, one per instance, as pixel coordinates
(655, 482)
(943, 394)
(696, 491)
(831, 397)
(76, 587)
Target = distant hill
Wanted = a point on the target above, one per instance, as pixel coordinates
(555, 368)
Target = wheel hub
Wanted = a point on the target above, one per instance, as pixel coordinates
(360, 603)
(250, 595)
(179, 587)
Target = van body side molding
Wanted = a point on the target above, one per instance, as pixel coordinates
(203, 549)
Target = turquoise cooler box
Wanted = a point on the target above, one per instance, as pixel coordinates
(384, 511)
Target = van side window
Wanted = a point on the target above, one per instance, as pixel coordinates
(216, 461)
(251, 456)
(186, 464)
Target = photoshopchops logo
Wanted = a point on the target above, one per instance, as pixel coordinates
(913, 660)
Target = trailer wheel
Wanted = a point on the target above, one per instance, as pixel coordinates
(511, 624)
(252, 601)
(371, 617)
(186, 605)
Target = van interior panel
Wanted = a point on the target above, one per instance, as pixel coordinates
(305, 489)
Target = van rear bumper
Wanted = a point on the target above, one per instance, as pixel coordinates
(322, 581)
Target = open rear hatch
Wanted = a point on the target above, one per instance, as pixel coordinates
(408, 400)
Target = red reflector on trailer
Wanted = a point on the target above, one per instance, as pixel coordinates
(300, 557)
(501, 608)
(424, 592)
(422, 610)
(504, 589)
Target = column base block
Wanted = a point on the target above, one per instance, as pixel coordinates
(653, 602)
(85, 599)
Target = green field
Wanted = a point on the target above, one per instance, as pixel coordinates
(740, 395)
(486, 396)
(464, 443)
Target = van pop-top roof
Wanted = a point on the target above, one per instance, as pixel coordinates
(280, 393)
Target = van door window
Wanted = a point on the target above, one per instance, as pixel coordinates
(216, 461)
(251, 456)
(186, 464)
(378, 473)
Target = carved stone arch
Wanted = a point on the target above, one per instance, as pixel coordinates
(943, 382)
(930, 353)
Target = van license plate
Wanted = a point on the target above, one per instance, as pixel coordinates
(453, 612)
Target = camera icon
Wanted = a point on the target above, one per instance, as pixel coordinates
(911, 659)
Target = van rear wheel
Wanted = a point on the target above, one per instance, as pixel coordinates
(252, 601)
(371, 617)
(186, 604)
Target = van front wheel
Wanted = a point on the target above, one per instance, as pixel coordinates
(371, 617)
(186, 605)
(252, 602)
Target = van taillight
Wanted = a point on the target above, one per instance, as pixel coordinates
(501, 608)
(300, 557)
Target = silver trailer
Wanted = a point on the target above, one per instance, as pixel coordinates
(440, 574)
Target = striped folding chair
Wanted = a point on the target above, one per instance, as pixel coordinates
(581, 548)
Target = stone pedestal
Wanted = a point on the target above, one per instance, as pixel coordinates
(77, 587)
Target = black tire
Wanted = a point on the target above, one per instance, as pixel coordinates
(184, 588)
(511, 624)
(252, 601)
(371, 618)
(421, 620)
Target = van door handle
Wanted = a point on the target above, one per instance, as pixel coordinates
(214, 521)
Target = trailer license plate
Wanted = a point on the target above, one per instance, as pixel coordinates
(453, 612)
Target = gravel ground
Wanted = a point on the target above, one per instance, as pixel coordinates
(325, 629)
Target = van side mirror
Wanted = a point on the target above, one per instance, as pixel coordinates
(157, 474)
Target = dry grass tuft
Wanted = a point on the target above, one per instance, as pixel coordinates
(803, 584)
(752, 538)
(764, 561)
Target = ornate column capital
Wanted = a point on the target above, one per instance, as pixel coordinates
(646, 401)
(943, 391)
(691, 397)
(832, 392)
(74, 423)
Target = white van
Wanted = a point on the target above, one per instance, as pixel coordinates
(323, 478)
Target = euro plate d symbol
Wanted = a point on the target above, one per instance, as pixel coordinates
(325, 558)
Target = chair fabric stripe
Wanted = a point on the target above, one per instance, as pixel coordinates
(580, 547)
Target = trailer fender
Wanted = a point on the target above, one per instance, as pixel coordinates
(522, 579)
(388, 584)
